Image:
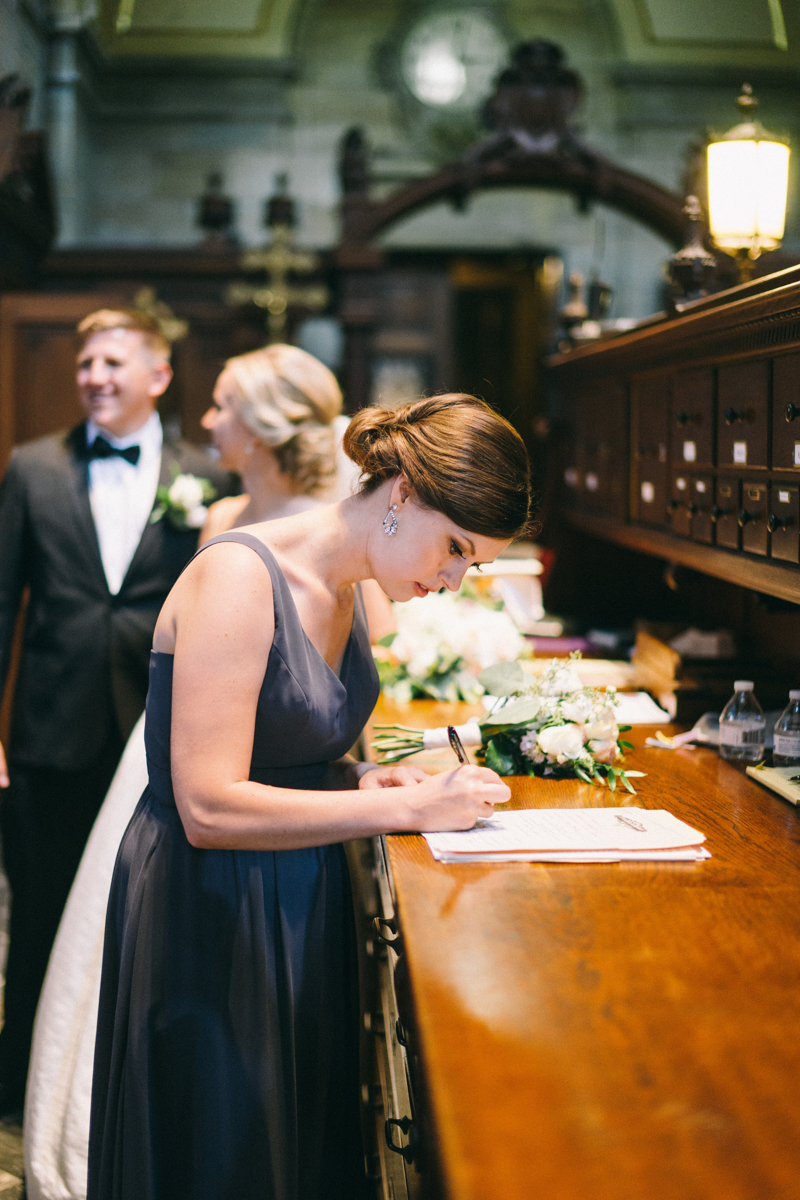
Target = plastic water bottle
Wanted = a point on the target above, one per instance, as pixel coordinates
(741, 726)
(787, 734)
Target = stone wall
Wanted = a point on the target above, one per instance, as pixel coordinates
(146, 134)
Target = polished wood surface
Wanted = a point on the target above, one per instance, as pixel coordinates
(625, 1032)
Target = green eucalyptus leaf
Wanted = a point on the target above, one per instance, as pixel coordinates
(518, 712)
(497, 760)
(503, 679)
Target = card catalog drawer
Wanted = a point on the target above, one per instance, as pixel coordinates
(786, 412)
(726, 513)
(680, 504)
(692, 418)
(784, 522)
(742, 402)
(649, 439)
(702, 506)
(649, 500)
(753, 516)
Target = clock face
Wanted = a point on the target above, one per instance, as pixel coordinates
(449, 60)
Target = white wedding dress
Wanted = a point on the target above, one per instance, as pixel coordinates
(56, 1129)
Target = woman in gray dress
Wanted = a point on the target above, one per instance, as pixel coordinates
(226, 1062)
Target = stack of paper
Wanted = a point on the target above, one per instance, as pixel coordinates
(575, 835)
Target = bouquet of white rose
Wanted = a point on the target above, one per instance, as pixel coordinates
(442, 643)
(548, 724)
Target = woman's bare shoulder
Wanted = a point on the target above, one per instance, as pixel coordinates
(224, 592)
(223, 515)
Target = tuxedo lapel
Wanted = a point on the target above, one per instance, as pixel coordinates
(148, 550)
(78, 469)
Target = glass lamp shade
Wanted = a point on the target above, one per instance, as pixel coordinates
(747, 185)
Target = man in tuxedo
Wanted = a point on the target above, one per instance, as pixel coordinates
(75, 529)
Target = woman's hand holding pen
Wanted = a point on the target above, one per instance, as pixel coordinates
(454, 799)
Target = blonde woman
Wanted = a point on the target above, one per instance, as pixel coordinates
(276, 423)
(272, 423)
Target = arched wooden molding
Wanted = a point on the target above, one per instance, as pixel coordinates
(531, 145)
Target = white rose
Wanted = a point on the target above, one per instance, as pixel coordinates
(603, 751)
(603, 727)
(186, 492)
(561, 741)
(575, 710)
(196, 519)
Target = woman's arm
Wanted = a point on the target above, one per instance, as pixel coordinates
(223, 620)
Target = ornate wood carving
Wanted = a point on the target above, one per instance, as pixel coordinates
(530, 145)
(27, 218)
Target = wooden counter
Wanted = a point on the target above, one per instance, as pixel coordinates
(623, 1032)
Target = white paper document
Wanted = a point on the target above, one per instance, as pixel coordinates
(573, 835)
(638, 708)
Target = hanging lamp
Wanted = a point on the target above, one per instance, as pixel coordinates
(748, 174)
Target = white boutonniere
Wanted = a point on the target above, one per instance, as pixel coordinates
(185, 502)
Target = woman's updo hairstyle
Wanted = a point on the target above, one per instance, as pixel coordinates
(288, 399)
(461, 458)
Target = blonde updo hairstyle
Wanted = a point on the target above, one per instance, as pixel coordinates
(461, 458)
(288, 399)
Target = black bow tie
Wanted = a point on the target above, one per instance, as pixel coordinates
(100, 448)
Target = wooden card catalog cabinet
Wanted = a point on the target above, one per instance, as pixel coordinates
(685, 437)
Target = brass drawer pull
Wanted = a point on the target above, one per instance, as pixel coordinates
(791, 411)
(406, 1126)
(732, 416)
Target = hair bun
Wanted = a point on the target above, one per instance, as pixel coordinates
(460, 457)
(369, 441)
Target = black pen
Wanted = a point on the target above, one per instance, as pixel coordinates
(455, 742)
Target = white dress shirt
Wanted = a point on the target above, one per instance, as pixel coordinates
(122, 495)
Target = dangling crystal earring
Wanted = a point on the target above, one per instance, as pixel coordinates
(390, 522)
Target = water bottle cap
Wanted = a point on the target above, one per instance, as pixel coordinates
(794, 694)
(743, 685)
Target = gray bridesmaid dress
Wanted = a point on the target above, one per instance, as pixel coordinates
(226, 1065)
